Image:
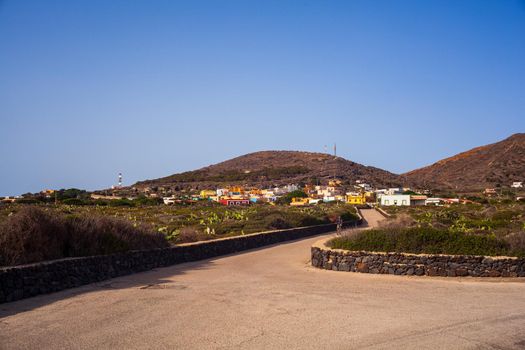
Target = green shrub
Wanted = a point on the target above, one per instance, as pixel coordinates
(423, 240)
(124, 202)
(27, 201)
(143, 200)
(75, 201)
(287, 198)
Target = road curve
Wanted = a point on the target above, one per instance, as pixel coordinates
(270, 298)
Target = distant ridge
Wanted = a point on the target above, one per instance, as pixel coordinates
(495, 164)
(269, 168)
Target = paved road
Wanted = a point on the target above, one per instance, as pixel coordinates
(270, 299)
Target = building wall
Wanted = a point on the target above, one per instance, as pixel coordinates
(395, 199)
(356, 199)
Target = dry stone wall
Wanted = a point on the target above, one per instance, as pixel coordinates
(416, 264)
(19, 282)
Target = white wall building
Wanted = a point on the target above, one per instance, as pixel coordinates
(169, 200)
(394, 191)
(434, 201)
(517, 184)
(222, 192)
(395, 199)
(365, 187)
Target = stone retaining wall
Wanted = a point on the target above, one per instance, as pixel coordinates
(416, 264)
(382, 212)
(28, 280)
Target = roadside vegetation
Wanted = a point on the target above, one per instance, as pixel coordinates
(33, 234)
(426, 240)
(471, 229)
(37, 232)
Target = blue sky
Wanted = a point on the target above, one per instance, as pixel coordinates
(149, 88)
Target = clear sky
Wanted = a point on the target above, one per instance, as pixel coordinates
(149, 88)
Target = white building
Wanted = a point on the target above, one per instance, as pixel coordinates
(365, 187)
(434, 201)
(418, 199)
(290, 188)
(394, 191)
(395, 199)
(169, 200)
(326, 191)
(517, 184)
(222, 192)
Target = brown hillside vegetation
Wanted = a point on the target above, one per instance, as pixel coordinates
(496, 164)
(268, 168)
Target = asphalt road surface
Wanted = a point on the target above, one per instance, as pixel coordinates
(271, 298)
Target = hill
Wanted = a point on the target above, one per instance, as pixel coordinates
(496, 164)
(269, 168)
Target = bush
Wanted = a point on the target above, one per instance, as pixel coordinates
(191, 234)
(143, 200)
(33, 235)
(75, 201)
(402, 220)
(27, 201)
(287, 198)
(516, 241)
(277, 223)
(99, 235)
(423, 240)
(124, 202)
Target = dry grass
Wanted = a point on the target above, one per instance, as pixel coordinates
(402, 220)
(33, 235)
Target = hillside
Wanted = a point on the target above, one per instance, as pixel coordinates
(499, 163)
(268, 168)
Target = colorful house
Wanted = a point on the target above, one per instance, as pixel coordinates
(231, 201)
(300, 201)
(205, 194)
(356, 199)
(236, 191)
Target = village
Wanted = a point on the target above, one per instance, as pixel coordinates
(362, 193)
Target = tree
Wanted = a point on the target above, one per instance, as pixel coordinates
(287, 198)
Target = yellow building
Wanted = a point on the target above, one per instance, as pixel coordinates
(256, 192)
(236, 190)
(207, 194)
(356, 199)
(334, 183)
(299, 201)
